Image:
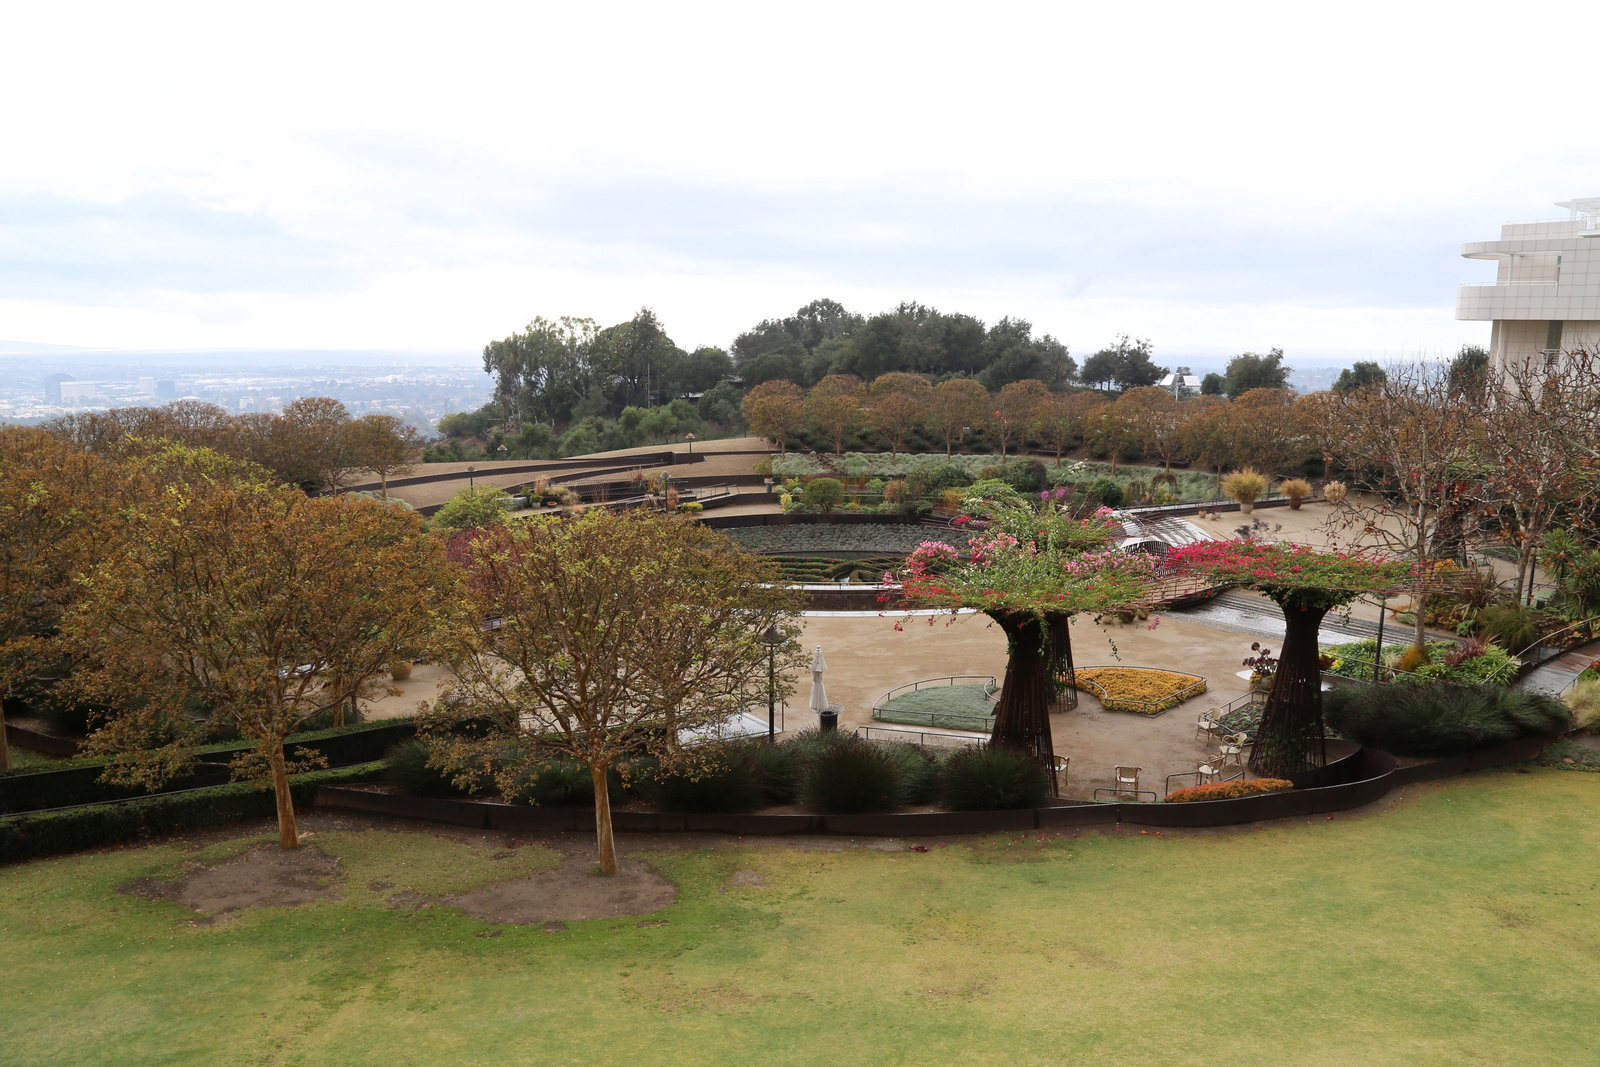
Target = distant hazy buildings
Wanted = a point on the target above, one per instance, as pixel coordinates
(1546, 292)
(78, 392)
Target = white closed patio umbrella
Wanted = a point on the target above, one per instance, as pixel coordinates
(819, 692)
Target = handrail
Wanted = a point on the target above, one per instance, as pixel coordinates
(1124, 792)
(971, 741)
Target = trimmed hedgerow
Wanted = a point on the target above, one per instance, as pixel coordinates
(49, 833)
(1241, 787)
(80, 783)
(992, 779)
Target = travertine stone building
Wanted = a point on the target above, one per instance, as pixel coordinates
(1546, 295)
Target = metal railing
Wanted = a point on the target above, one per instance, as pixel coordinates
(940, 740)
(1136, 793)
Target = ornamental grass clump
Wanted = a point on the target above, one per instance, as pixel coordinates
(1246, 487)
(850, 776)
(780, 772)
(1241, 787)
(1584, 700)
(406, 768)
(992, 779)
(1296, 490)
(1428, 719)
(725, 782)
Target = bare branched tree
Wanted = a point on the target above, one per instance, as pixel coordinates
(1415, 446)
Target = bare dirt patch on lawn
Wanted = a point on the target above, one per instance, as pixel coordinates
(265, 876)
(571, 892)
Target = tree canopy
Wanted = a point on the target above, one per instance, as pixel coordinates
(1306, 583)
(1249, 371)
(616, 636)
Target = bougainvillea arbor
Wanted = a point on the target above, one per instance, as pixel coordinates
(1030, 571)
(1307, 584)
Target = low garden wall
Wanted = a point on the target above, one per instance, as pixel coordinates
(1354, 777)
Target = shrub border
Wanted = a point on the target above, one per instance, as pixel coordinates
(52, 832)
(1357, 779)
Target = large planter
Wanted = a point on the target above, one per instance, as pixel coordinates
(1246, 507)
(400, 671)
(1294, 503)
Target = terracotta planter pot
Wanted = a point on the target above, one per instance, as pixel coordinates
(400, 671)
(1294, 503)
(1245, 509)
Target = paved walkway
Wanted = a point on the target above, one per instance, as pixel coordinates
(1554, 677)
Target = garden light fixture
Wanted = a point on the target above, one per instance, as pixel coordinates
(772, 639)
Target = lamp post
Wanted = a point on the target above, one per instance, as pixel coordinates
(772, 639)
(1383, 609)
(690, 438)
(471, 482)
(501, 451)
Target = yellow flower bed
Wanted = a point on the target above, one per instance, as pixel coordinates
(1142, 690)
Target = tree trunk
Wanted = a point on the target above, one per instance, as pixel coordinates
(383, 483)
(288, 835)
(1113, 463)
(5, 743)
(1022, 717)
(1290, 738)
(1058, 455)
(602, 820)
(1063, 677)
(1421, 637)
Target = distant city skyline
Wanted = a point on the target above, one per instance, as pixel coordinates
(1205, 177)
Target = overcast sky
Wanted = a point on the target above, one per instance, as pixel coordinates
(1216, 177)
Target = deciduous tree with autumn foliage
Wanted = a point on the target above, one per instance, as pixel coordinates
(615, 636)
(256, 605)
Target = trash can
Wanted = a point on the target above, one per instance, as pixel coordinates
(830, 720)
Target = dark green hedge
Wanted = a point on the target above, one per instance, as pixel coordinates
(341, 745)
(50, 833)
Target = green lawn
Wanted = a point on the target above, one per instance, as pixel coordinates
(1462, 925)
(955, 707)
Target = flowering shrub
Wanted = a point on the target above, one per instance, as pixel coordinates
(1466, 662)
(1142, 690)
(1241, 787)
(1281, 568)
(1027, 560)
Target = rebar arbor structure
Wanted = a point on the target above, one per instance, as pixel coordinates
(1306, 584)
(1030, 569)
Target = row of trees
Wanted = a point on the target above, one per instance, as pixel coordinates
(313, 443)
(567, 370)
(1266, 427)
(186, 592)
